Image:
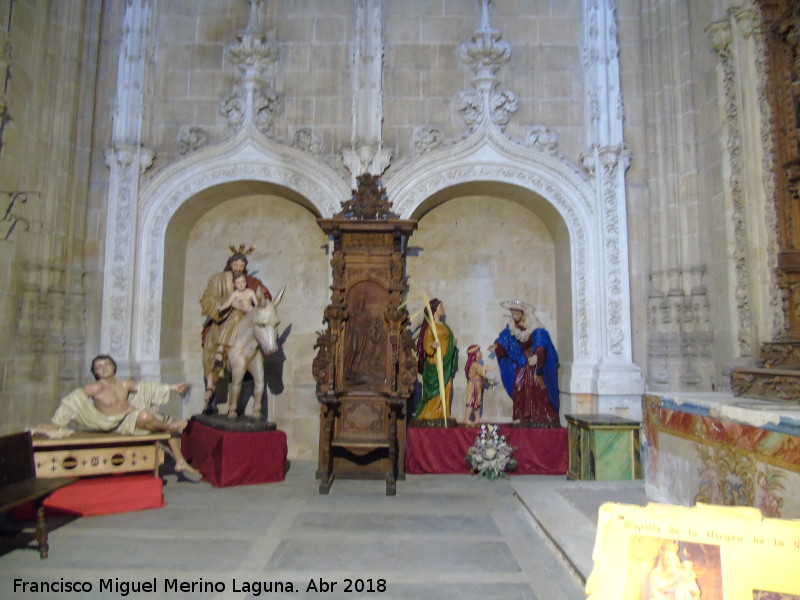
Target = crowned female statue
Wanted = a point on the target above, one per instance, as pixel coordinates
(528, 364)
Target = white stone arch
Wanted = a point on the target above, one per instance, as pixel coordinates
(296, 174)
(489, 157)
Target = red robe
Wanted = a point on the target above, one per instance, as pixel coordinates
(531, 403)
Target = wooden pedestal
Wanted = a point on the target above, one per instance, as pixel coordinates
(603, 447)
(84, 454)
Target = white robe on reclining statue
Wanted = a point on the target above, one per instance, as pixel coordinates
(77, 410)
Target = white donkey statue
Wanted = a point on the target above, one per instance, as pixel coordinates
(257, 334)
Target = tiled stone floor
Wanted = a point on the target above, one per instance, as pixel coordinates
(440, 537)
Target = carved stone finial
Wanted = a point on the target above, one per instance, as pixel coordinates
(253, 20)
(484, 53)
(251, 100)
(251, 52)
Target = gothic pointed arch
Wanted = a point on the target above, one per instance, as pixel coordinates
(489, 160)
(248, 160)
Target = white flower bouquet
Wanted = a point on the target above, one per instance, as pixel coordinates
(490, 455)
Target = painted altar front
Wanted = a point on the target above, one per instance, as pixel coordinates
(719, 449)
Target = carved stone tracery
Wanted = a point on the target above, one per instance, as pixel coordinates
(550, 175)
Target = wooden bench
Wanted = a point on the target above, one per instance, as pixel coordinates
(84, 453)
(19, 484)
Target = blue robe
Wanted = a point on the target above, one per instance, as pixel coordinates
(516, 359)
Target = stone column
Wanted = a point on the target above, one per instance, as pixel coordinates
(675, 344)
(127, 158)
(617, 380)
(749, 185)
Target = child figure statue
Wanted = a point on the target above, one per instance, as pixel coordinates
(476, 375)
(240, 303)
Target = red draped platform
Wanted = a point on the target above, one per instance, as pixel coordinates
(101, 496)
(540, 451)
(228, 458)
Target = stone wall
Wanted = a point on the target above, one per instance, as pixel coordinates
(309, 72)
(48, 57)
(423, 73)
(713, 296)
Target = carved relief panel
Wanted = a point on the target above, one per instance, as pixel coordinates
(366, 338)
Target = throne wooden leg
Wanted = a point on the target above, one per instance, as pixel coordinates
(327, 476)
(391, 476)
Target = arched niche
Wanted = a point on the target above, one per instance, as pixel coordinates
(174, 199)
(177, 245)
(480, 243)
(291, 251)
(492, 224)
(592, 306)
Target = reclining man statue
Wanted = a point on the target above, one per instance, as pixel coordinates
(122, 406)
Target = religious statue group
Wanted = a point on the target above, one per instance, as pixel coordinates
(235, 301)
(526, 357)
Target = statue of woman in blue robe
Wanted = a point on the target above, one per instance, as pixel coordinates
(528, 364)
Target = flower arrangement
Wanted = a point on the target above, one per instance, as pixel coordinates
(490, 455)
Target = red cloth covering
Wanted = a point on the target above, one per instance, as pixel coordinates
(540, 450)
(101, 496)
(228, 458)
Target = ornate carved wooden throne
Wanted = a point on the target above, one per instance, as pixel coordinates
(365, 366)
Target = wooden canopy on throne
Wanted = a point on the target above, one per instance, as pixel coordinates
(365, 367)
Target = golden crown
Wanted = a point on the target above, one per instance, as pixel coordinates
(242, 249)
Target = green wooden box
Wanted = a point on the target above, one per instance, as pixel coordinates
(603, 447)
